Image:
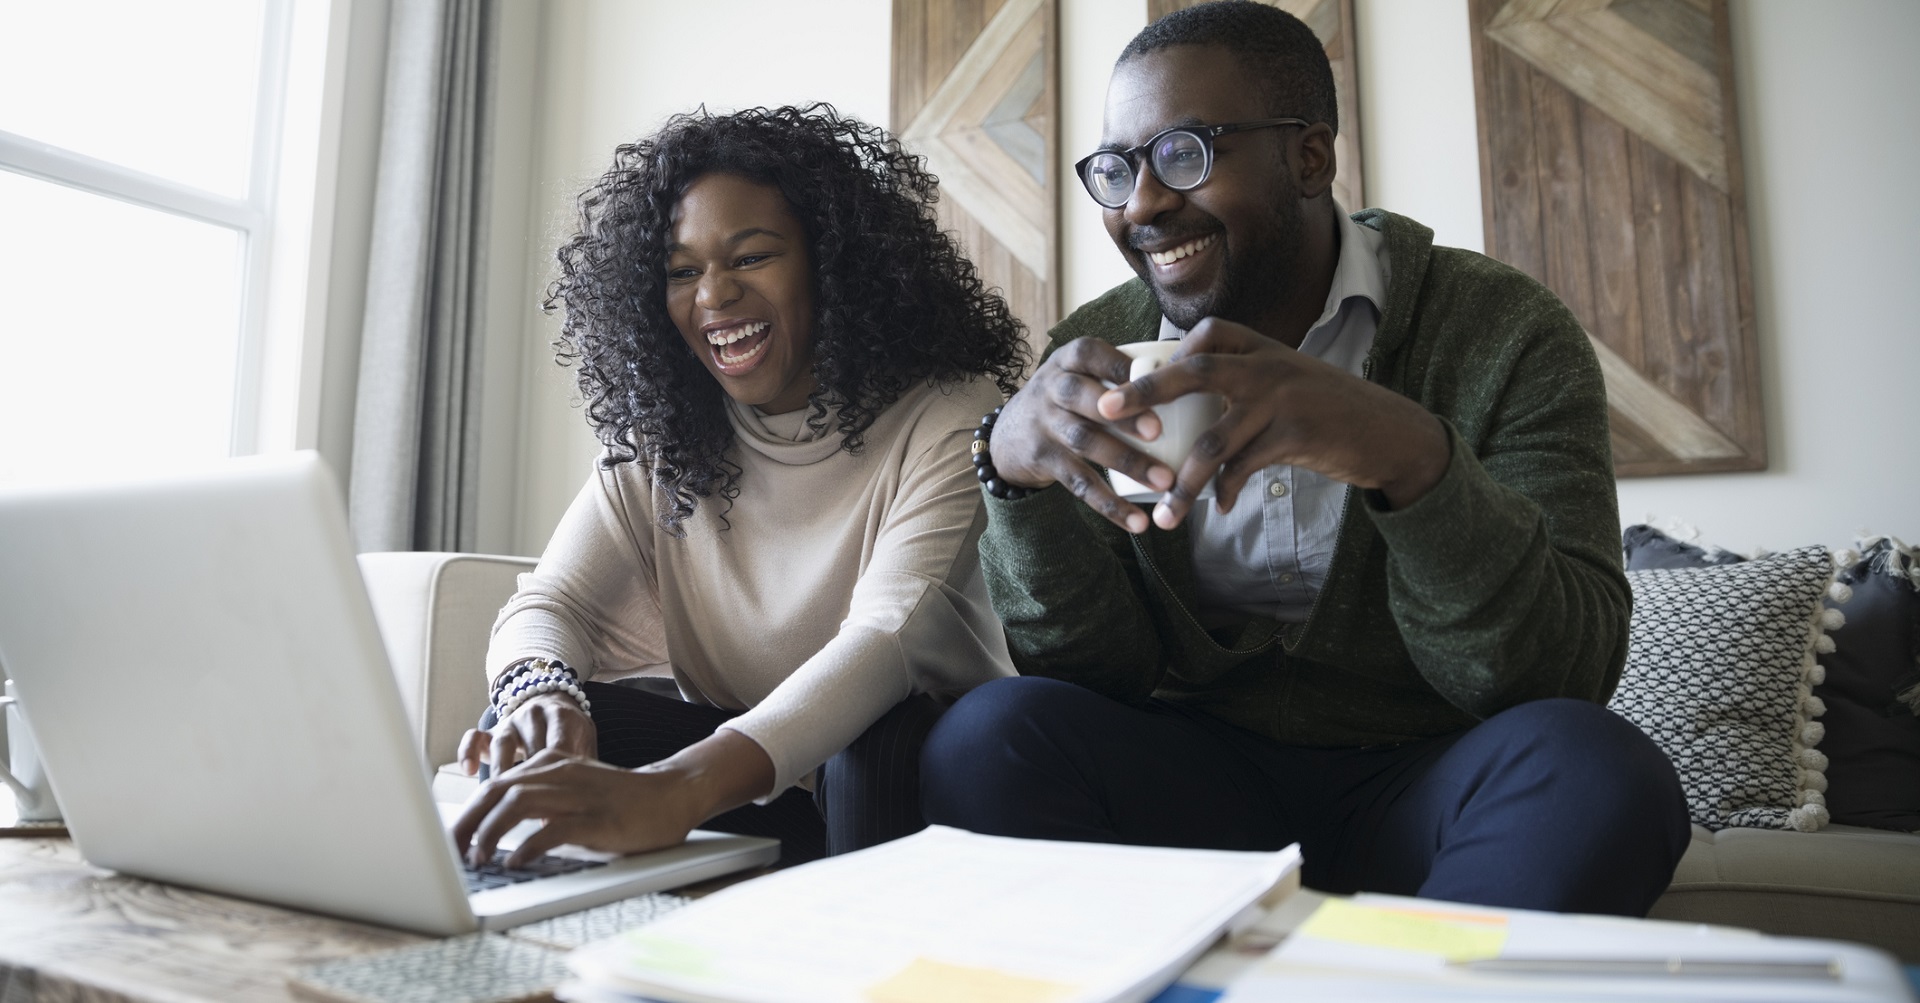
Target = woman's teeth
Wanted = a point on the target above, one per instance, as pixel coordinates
(1190, 247)
(733, 360)
(724, 338)
(729, 335)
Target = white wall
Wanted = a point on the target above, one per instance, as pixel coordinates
(1829, 125)
(1418, 135)
(1092, 33)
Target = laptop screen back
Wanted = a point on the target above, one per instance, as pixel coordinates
(201, 665)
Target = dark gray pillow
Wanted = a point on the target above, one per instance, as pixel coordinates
(1873, 736)
(1649, 549)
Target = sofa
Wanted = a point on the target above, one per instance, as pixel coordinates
(1845, 882)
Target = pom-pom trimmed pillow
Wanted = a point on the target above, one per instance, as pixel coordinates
(1720, 670)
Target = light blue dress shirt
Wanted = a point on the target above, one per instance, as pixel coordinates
(1269, 556)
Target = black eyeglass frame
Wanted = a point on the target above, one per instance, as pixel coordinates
(1204, 134)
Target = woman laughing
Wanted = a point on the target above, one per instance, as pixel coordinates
(784, 357)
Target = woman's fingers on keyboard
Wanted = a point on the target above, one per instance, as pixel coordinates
(522, 801)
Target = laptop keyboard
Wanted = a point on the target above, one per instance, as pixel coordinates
(496, 874)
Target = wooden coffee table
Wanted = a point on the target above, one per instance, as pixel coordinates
(76, 933)
(70, 931)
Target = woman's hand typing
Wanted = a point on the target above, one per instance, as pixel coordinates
(589, 803)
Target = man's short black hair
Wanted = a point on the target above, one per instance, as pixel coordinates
(1273, 46)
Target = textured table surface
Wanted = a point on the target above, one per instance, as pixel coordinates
(69, 931)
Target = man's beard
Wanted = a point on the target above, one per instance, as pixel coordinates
(1250, 282)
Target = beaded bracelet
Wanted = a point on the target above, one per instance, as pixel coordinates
(983, 461)
(538, 676)
(505, 679)
(515, 681)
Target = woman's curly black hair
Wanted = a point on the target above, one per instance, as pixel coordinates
(896, 302)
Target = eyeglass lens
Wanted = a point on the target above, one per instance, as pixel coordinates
(1178, 159)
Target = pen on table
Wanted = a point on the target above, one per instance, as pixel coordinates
(1630, 967)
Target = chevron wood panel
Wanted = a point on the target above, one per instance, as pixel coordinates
(976, 92)
(1610, 170)
(1332, 23)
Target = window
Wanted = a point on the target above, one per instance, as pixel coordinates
(138, 166)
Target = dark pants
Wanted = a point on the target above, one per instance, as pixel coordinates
(1556, 804)
(866, 794)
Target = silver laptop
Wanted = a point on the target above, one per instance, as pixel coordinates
(215, 709)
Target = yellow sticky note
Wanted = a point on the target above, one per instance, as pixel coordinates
(1455, 936)
(648, 953)
(924, 981)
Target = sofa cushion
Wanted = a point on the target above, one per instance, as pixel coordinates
(1720, 666)
(1845, 882)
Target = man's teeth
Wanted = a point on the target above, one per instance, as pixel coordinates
(729, 335)
(1190, 247)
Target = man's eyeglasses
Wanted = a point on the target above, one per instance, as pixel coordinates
(1181, 158)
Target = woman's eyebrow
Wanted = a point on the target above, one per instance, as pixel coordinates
(755, 231)
(752, 231)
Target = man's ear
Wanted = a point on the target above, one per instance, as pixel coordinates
(1316, 163)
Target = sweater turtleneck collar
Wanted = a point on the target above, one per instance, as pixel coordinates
(783, 438)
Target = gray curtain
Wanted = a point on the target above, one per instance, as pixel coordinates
(415, 474)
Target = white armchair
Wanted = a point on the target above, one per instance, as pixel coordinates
(435, 611)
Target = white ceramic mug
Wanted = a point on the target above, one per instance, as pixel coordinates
(1182, 420)
(22, 772)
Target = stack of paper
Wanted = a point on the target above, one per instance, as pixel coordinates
(944, 915)
(1381, 947)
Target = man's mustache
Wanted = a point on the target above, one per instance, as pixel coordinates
(1138, 238)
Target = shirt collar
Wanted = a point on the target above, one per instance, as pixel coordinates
(1360, 271)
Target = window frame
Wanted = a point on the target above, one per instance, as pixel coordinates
(253, 217)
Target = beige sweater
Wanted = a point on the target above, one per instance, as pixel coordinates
(836, 586)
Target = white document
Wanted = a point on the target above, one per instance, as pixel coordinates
(945, 914)
(1388, 948)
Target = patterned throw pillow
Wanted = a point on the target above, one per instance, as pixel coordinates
(1720, 670)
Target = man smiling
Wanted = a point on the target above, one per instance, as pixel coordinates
(1391, 637)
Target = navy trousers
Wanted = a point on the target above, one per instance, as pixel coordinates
(1556, 804)
(866, 794)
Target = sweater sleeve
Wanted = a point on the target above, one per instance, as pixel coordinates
(1066, 583)
(1505, 579)
(917, 622)
(591, 601)
(1068, 587)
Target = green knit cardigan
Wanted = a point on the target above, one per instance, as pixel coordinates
(1502, 584)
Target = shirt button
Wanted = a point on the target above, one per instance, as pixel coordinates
(1277, 489)
(1286, 578)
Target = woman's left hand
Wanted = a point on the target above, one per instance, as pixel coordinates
(601, 807)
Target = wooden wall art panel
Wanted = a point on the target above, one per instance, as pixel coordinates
(976, 92)
(1610, 170)
(1332, 23)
